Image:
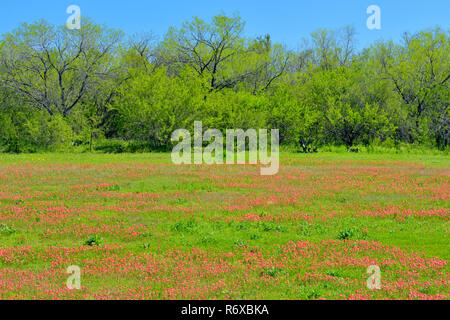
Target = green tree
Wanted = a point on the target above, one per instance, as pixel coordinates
(54, 68)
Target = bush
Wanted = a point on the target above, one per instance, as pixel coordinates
(307, 146)
(111, 146)
(274, 272)
(346, 234)
(34, 131)
(5, 229)
(93, 240)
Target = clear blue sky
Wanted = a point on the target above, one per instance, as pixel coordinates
(287, 21)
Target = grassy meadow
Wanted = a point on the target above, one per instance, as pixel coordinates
(140, 227)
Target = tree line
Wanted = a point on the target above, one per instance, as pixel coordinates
(61, 88)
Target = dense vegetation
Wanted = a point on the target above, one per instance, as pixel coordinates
(63, 88)
(140, 227)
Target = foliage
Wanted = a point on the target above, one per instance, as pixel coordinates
(62, 89)
(94, 240)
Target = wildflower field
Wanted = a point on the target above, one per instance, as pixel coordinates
(140, 227)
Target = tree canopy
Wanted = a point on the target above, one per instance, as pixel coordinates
(61, 87)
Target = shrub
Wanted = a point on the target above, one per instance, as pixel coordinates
(5, 229)
(346, 234)
(187, 226)
(93, 240)
(111, 146)
(273, 272)
(307, 146)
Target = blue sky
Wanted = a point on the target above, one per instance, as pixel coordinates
(287, 21)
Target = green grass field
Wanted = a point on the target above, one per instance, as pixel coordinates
(140, 227)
